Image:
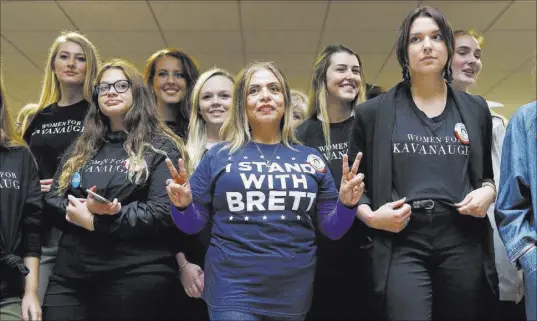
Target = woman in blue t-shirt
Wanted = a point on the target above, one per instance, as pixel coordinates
(264, 192)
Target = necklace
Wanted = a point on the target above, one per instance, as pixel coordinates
(267, 161)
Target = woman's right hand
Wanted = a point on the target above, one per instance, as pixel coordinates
(178, 188)
(192, 278)
(45, 185)
(392, 217)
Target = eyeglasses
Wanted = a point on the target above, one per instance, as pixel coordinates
(120, 86)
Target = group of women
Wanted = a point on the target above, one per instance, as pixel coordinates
(150, 191)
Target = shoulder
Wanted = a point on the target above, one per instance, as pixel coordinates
(166, 145)
(303, 130)
(526, 114)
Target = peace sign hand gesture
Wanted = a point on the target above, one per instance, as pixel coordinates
(178, 188)
(352, 185)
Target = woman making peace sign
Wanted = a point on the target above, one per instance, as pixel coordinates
(264, 192)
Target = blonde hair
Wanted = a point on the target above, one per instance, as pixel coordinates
(236, 130)
(142, 126)
(50, 90)
(299, 101)
(318, 91)
(8, 136)
(472, 33)
(23, 115)
(197, 128)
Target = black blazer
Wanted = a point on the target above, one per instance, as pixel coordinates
(371, 134)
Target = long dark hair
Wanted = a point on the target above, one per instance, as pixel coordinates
(191, 71)
(404, 34)
(141, 123)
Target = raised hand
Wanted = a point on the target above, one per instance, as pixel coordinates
(352, 185)
(178, 188)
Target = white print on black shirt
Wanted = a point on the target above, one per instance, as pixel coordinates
(260, 194)
(107, 165)
(431, 145)
(334, 151)
(60, 127)
(9, 180)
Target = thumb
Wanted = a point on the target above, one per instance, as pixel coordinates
(465, 201)
(397, 203)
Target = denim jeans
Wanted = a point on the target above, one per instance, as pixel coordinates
(247, 316)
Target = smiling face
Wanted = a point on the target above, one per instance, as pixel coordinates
(69, 64)
(466, 61)
(265, 103)
(215, 99)
(169, 83)
(427, 51)
(112, 103)
(343, 77)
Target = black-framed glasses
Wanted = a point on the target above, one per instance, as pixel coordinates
(120, 86)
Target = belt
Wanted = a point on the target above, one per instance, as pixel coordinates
(429, 204)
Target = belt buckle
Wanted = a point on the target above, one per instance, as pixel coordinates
(425, 204)
(429, 204)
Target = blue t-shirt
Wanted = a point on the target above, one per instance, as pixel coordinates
(261, 256)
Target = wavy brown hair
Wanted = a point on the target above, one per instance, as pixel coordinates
(142, 125)
(190, 69)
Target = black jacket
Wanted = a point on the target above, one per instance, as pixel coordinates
(141, 237)
(371, 134)
(20, 217)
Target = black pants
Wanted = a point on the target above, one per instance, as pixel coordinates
(437, 270)
(346, 296)
(140, 296)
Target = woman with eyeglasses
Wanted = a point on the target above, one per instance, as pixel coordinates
(116, 259)
(50, 126)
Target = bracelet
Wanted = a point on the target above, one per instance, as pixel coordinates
(182, 266)
(491, 185)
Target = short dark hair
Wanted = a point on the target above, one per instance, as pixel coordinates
(443, 24)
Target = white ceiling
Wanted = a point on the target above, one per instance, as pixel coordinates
(231, 33)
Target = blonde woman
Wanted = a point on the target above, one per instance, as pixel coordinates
(115, 259)
(56, 121)
(263, 192)
(211, 99)
(337, 87)
(21, 205)
(299, 104)
(467, 65)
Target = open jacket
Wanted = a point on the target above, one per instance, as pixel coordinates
(516, 206)
(371, 134)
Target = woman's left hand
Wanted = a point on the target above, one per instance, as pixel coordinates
(352, 185)
(78, 214)
(31, 309)
(477, 202)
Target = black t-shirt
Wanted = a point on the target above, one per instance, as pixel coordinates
(50, 133)
(341, 257)
(430, 161)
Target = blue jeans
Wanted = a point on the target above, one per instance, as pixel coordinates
(247, 316)
(529, 264)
